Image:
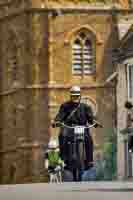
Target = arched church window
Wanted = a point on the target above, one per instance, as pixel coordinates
(77, 56)
(83, 58)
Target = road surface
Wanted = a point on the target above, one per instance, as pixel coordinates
(68, 191)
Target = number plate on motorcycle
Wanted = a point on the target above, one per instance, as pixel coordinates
(78, 130)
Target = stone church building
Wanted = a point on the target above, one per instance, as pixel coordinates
(46, 46)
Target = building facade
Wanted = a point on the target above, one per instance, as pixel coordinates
(124, 94)
(46, 47)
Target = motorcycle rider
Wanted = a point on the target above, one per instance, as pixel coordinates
(73, 113)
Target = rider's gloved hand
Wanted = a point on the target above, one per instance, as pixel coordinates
(98, 124)
(55, 124)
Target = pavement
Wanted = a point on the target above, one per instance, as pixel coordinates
(68, 191)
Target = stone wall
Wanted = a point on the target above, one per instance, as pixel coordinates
(36, 77)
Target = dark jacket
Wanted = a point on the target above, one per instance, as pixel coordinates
(82, 116)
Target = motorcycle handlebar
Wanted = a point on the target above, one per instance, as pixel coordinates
(86, 127)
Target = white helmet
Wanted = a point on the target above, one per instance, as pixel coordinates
(75, 91)
(52, 144)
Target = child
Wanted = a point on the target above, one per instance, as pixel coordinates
(53, 162)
